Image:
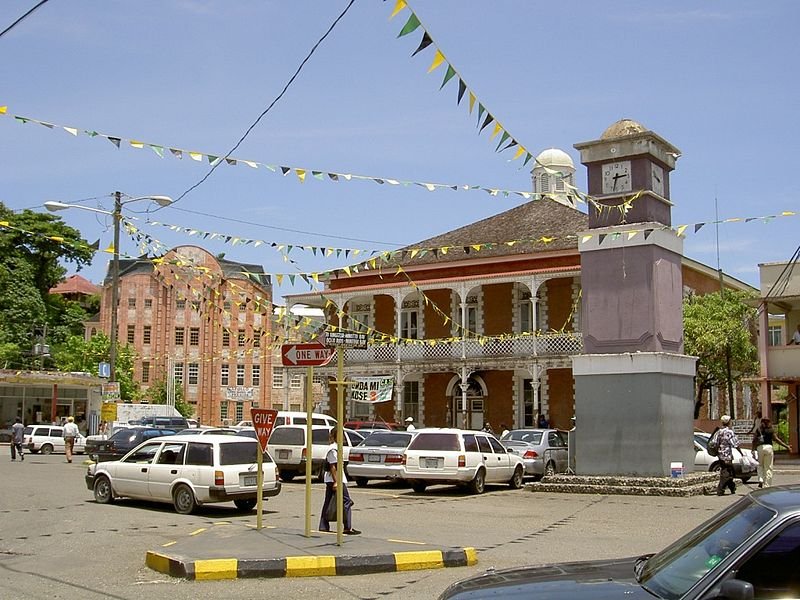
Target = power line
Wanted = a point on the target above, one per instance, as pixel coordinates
(278, 97)
(22, 18)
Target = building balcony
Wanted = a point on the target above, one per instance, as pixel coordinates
(783, 362)
(482, 349)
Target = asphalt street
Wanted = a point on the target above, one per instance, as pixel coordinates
(56, 542)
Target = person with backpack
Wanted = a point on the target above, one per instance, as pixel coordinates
(725, 440)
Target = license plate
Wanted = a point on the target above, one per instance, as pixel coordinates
(431, 463)
(250, 480)
(374, 458)
(283, 454)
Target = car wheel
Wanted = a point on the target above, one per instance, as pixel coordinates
(245, 504)
(716, 467)
(103, 494)
(287, 475)
(47, 449)
(362, 481)
(183, 499)
(477, 485)
(516, 480)
(550, 469)
(418, 486)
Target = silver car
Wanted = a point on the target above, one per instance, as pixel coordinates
(379, 456)
(543, 451)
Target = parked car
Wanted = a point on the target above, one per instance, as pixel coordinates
(293, 417)
(174, 423)
(748, 550)
(543, 451)
(48, 439)
(379, 456)
(374, 425)
(287, 445)
(210, 431)
(122, 441)
(743, 469)
(461, 457)
(186, 470)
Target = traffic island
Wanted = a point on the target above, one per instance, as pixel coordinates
(228, 551)
(691, 484)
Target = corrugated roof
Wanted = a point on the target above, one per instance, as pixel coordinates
(75, 284)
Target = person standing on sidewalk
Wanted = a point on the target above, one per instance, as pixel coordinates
(766, 452)
(726, 441)
(331, 460)
(70, 434)
(17, 436)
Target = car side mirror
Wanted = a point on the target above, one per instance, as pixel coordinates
(736, 589)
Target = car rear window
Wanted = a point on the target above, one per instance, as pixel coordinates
(390, 440)
(238, 453)
(435, 441)
(290, 436)
(532, 437)
(27, 430)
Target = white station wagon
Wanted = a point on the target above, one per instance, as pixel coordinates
(186, 470)
(459, 457)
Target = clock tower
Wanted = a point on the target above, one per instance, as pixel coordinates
(633, 385)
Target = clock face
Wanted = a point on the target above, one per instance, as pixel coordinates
(657, 179)
(617, 177)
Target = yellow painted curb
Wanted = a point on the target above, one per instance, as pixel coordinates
(411, 561)
(472, 556)
(310, 566)
(157, 562)
(219, 568)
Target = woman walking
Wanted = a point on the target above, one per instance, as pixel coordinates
(764, 438)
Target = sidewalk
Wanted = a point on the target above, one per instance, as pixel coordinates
(231, 551)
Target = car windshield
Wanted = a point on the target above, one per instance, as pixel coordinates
(673, 571)
(521, 435)
(390, 440)
(239, 453)
(435, 441)
(124, 434)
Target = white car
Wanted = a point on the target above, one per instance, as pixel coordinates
(48, 439)
(745, 465)
(287, 445)
(294, 417)
(461, 457)
(186, 470)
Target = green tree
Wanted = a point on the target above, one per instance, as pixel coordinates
(78, 354)
(157, 394)
(713, 325)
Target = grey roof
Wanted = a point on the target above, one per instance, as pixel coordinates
(525, 224)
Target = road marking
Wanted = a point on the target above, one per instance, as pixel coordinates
(169, 544)
(196, 531)
(407, 542)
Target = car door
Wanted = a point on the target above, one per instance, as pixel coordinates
(57, 439)
(505, 466)
(130, 476)
(558, 450)
(166, 468)
(490, 460)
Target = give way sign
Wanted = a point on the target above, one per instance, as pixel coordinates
(305, 355)
(263, 421)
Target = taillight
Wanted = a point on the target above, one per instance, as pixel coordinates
(462, 460)
(394, 459)
(356, 457)
(303, 455)
(219, 478)
(405, 460)
(530, 454)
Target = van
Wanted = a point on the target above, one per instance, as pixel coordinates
(287, 446)
(290, 417)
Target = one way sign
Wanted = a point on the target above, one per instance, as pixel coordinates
(305, 355)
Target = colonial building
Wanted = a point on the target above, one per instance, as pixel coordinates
(479, 324)
(202, 321)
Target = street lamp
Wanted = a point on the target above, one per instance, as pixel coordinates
(117, 216)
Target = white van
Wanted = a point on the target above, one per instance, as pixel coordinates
(288, 417)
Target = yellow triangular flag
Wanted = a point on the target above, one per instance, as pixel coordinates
(301, 174)
(136, 144)
(279, 278)
(196, 156)
(681, 229)
(400, 5)
(438, 59)
(585, 239)
(471, 102)
(497, 129)
(110, 249)
(632, 234)
(3, 110)
(520, 151)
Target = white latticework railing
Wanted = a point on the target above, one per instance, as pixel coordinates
(549, 344)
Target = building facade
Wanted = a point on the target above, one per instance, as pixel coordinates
(200, 321)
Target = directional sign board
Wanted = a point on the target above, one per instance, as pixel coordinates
(305, 355)
(263, 421)
(347, 339)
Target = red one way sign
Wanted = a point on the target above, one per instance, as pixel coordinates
(305, 355)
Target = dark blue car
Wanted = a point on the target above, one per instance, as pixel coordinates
(123, 441)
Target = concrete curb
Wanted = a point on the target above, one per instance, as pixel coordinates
(309, 566)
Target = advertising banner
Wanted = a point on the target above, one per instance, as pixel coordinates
(371, 389)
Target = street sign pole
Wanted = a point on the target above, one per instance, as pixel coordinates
(309, 445)
(260, 496)
(263, 422)
(339, 436)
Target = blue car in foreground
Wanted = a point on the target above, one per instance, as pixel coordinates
(750, 550)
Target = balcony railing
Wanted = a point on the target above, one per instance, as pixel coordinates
(783, 362)
(549, 344)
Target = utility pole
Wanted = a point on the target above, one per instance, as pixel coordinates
(112, 354)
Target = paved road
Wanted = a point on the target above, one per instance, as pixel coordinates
(55, 542)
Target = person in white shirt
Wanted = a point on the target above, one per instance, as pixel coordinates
(70, 434)
(331, 472)
(410, 424)
(795, 337)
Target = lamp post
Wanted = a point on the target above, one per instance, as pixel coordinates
(116, 215)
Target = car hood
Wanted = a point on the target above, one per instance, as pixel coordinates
(598, 580)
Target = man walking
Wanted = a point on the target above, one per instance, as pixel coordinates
(726, 442)
(17, 435)
(70, 434)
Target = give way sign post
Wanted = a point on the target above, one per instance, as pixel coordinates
(263, 421)
(312, 354)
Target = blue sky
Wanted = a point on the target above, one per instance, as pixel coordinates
(716, 79)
